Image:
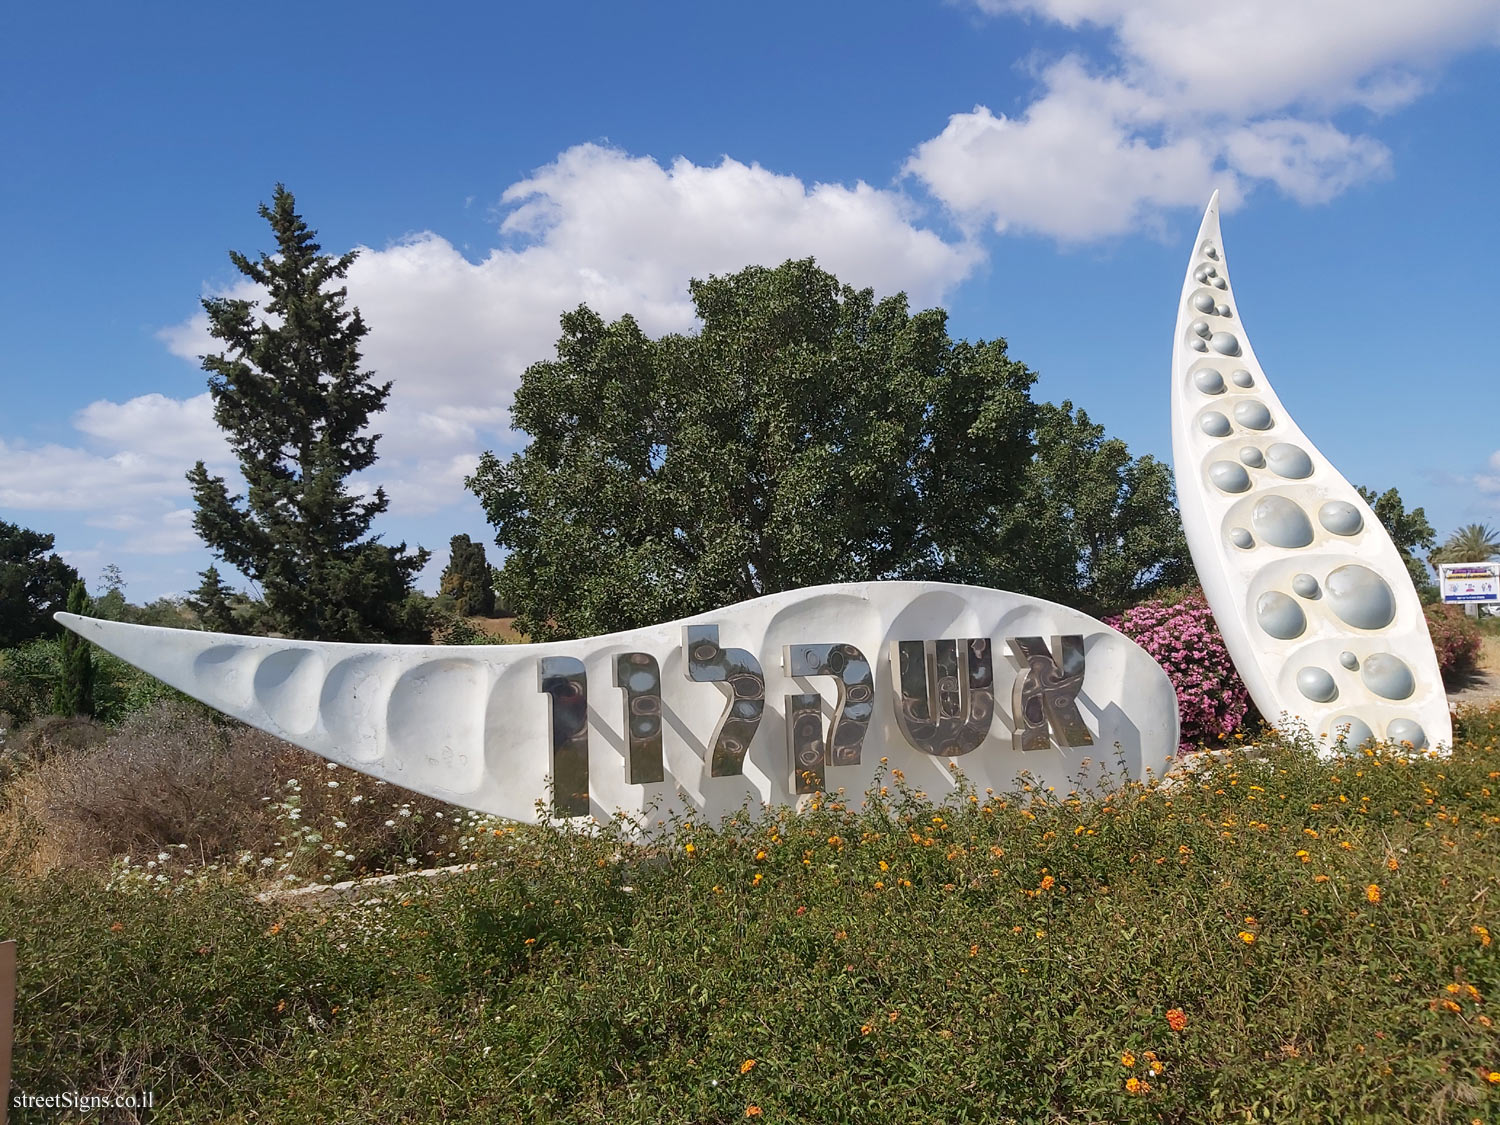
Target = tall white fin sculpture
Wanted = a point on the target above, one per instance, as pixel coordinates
(1316, 607)
(710, 713)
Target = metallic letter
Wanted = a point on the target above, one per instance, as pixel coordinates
(804, 739)
(945, 693)
(1046, 696)
(637, 674)
(564, 679)
(851, 715)
(739, 674)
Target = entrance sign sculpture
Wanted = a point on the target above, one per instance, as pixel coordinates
(758, 702)
(1316, 607)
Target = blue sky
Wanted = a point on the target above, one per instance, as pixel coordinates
(1037, 167)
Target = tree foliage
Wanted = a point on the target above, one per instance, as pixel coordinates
(467, 578)
(290, 393)
(1472, 543)
(74, 693)
(806, 434)
(211, 602)
(34, 584)
(1411, 533)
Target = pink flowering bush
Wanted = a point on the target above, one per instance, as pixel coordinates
(1181, 635)
(1455, 639)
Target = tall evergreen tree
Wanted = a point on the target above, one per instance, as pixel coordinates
(467, 579)
(210, 601)
(74, 693)
(289, 392)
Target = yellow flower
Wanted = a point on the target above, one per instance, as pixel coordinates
(1303, 856)
(760, 855)
(1047, 882)
(1452, 988)
(756, 881)
(1484, 934)
(1372, 892)
(1247, 937)
(690, 849)
(1320, 878)
(866, 1029)
(1493, 1078)
(973, 951)
(747, 1066)
(1127, 1059)
(1133, 1085)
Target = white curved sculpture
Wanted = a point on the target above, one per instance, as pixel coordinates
(708, 713)
(1316, 607)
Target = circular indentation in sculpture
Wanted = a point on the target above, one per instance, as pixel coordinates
(1352, 729)
(1225, 343)
(1220, 283)
(1388, 676)
(288, 683)
(1405, 730)
(1361, 598)
(1215, 424)
(1280, 522)
(1305, 585)
(1199, 345)
(1241, 538)
(1279, 616)
(1211, 251)
(1201, 328)
(1204, 302)
(352, 705)
(1210, 382)
(1252, 457)
(1242, 378)
(1349, 660)
(1223, 310)
(1316, 684)
(1289, 461)
(1340, 517)
(1228, 477)
(1252, 415)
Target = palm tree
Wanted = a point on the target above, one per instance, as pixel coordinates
(1472, 544)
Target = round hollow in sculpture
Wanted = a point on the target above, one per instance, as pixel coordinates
(1352, 730)
(1388, 676)
(1252, 415)
(1242, 378)
(1215, 424)
(1241, 538)
(1316, 684)
(1201, 328)
(1203, 302)
(1223, 310)
(1253, 457)
(1279, 616)
(1209, 381)
(1289, 461)
(1405, 730)
(1305, 585)
(1281, 522)
(1360, 597)
(1349, 660)
(1340, 517)
(1225, 343)
(1200, 345)
(1228, 477)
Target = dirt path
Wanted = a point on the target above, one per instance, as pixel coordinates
(1483, 687)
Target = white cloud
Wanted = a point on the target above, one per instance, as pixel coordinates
(621, 233)
(1194, 96)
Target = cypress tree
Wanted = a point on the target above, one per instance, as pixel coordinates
(467, 578)
(74, 692)
(289, 392)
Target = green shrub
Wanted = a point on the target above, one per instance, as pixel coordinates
(1456, 639)
(1288, 939)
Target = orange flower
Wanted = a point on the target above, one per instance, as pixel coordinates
(1303, 856)
(752, 1111)
(1493, 1078)
(117, 927)
(1247, 937)
(1127, 1059)
(1320, 878)
(1176, 1019)
(756, 881)
(1047, 882)
(894, 1016)
(1134, 1085)
(272, 932)
(1391, 863)
(1484, 934)
(866, 1029)
(747, 1066)
(1372, 892)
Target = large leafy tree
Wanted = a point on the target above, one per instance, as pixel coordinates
(1099, 528)
(806, 434)
(290, 393)
(34, 584)
(1411, 533)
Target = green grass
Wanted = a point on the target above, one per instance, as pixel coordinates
(1006, 959)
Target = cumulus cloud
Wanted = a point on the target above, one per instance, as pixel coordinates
(1193, 96)
(619, 232)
